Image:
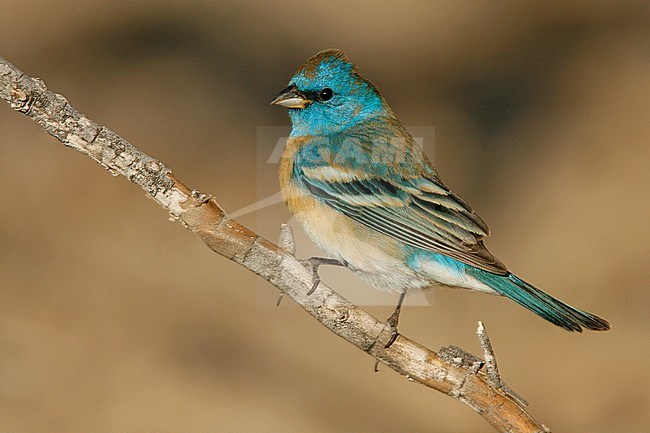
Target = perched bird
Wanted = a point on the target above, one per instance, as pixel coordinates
(367, 195)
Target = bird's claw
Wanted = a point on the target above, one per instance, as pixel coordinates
(393, 320)
(394, 334)
(393, 337)
(392, 324)
(280, 299)
(316, 282)
(313, 263)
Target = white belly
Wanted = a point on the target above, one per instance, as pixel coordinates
(375, 258)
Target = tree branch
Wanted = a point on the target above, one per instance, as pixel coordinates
(202, 215)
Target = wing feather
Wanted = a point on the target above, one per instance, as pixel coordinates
(420, 212)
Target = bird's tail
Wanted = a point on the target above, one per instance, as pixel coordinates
(543, 304)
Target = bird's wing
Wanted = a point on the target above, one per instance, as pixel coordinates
(419, 211)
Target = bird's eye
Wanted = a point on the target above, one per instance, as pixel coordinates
(326, 94)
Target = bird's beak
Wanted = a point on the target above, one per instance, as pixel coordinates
(291, 97)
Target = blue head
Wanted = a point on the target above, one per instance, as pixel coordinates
(327, 95)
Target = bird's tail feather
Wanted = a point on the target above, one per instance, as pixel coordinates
(544, 305)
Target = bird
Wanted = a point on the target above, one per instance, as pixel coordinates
(368, 197)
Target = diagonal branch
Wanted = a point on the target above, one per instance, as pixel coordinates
(202, 215)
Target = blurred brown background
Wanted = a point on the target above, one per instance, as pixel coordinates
(114, 319)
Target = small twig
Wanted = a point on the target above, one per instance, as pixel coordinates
(288, 243)
(491, 366)
(488, 355)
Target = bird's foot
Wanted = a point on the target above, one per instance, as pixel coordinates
(392, 324)
(393, 320)
(288, 244)
(313, 263)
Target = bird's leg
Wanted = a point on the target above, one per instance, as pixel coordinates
(313, 263)
(393, 320)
